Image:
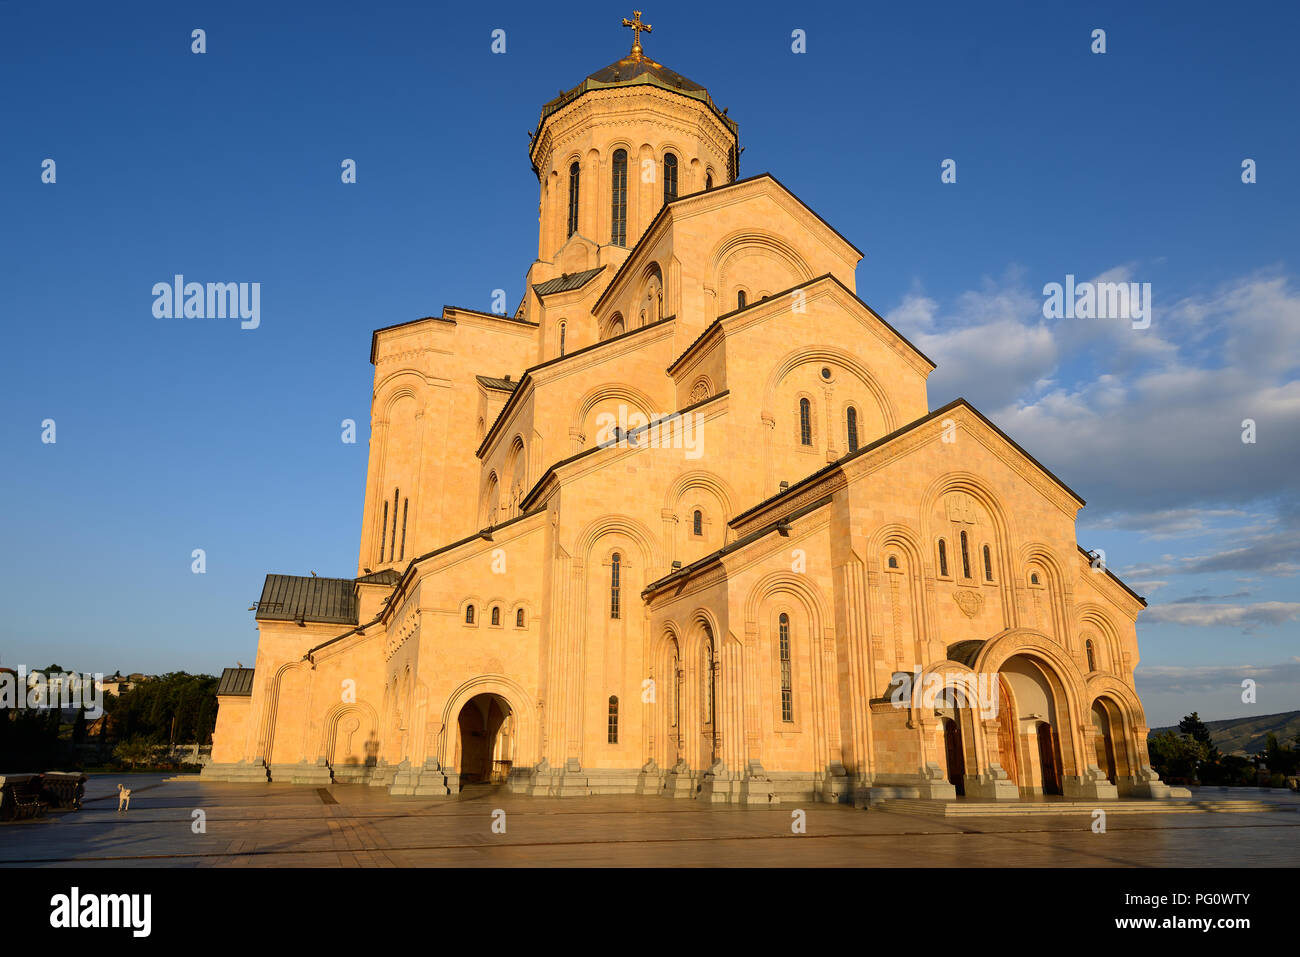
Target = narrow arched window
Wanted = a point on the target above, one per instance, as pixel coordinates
(392, 548)
(697, 523)
(965, 557)
(988, 564)
(851, 418)
(573, 198)
(706, 677)
(740, 299)
(1092, 659)
(496, 614)
(519, 618)
(805, 422)
(615, 562)
(670, 178)
(1033, 579)
(893, 561)
(943, 558)
(618, 200)
(469, 614)
(383, 534)
(613, 719)
(562, 331)
(402, 554)
(787, 686)
(708, 181)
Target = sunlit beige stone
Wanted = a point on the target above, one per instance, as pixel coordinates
(722, 606)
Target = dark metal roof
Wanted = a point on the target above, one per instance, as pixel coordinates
(298, 598)
(567, 282)
(236, 681)
(635, 69)
(501, 385)
(386, 576)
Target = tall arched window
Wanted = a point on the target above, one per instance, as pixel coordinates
(519, 618)
(496, 614)
(674, 700)
(943, 558)
(392, 548)
(1092, 659)
(805, 422)
(787, 687)
(618, 190)
(383, 534)
(852, 420)
(706, 677)
(402, 553)
(988, 564)
(562, 332)
(965, 557)
(708, 181)
(697, 523)
(613, 719)
(740, 299)
(469, 614)
(670, 178)
(573, 198)
(614, 568)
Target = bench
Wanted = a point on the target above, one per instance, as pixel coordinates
(20, 796)
(63, 789)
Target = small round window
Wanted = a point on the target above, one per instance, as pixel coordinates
(826, 373)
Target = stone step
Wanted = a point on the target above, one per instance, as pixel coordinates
(1049, 808)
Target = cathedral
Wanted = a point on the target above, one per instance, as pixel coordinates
(685, 524)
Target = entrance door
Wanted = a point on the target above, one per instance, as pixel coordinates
(956, 756)
(1105, 742)
(480, 725)
(1049, 758)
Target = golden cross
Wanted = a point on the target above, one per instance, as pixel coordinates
(637, 26)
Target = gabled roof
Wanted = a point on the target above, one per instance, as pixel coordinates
(309, 598)
(717, 323)
(500, 385)
(663, 211)
(385, 576)
(567, 282)
(236, 681)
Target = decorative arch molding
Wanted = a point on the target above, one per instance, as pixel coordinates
(647, 544)
(786, 583)
(1104, 685)
(610, 390)
(527, 746)
(993, 654)
(1004, 530)
(701, 618)
(266, 735)
(737, 243)
(792, 360)
(700, 478)
(369, 722)
(1038, 553)
(1092, 615)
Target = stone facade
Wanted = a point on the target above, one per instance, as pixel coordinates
(685, 524)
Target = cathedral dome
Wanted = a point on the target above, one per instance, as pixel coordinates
(637, 69)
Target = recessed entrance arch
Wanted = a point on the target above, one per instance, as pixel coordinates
(955, 755)
(485, 740)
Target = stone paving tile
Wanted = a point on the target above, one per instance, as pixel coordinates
(291, 826)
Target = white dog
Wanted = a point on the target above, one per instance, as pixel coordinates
(123, 798)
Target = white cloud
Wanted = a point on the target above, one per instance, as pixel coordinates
(1205, 615)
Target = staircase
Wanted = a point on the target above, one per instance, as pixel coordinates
(962, 808)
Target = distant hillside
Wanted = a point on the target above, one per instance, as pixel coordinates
(1249, 735)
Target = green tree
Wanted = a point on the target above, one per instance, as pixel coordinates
(134, 750)
(1176, 757)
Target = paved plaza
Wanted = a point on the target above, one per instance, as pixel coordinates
(280, 825)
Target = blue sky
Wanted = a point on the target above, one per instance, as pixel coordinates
(176, 435)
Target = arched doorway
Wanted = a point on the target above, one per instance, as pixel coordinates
(1049, 758)
(485, 743)
(956, 757)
